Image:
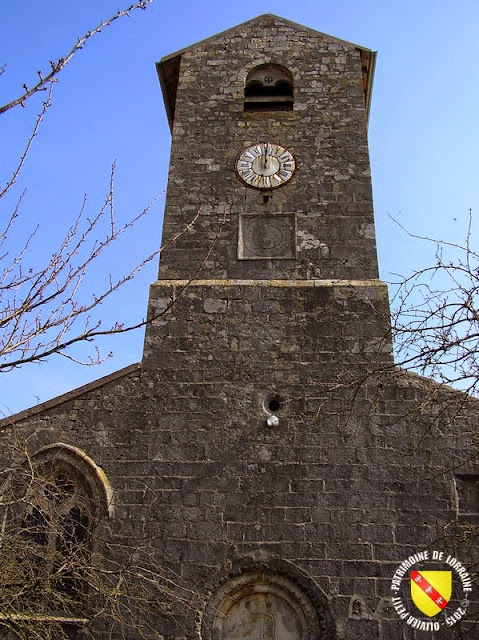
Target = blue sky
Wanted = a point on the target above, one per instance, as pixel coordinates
(424, 131)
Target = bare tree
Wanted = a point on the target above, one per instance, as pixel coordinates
(65, 569)
(47, 309)
(436, 315)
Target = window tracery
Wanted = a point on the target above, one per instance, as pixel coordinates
(54, 511)
(59, 518)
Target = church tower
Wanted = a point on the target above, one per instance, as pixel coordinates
(266, 453)
(274, 313)
(269, 223)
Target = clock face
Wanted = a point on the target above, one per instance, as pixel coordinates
(265, 165)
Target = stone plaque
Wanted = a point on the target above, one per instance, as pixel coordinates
(267, 236)
(260, 606)
(260, 616)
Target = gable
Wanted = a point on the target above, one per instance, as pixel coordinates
(169, 67)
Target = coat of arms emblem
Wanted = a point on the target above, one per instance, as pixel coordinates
(431, 590)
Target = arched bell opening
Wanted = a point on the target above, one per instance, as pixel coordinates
(269, 87)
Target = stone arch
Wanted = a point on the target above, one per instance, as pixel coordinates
(269, 87)
(66, 496)
(269, 602)
(93, 479)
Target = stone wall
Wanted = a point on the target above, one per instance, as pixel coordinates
(357, 475)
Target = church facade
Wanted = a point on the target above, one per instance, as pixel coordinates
(276, 462)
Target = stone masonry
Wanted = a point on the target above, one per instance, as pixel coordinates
(293, 527)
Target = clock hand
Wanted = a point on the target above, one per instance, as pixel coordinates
(266, 156)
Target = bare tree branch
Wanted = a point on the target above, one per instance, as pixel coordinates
(23, 157)
(436, 315)
(57, 66)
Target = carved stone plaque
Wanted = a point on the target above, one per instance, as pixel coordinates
(267, 236)
(260, 616)
(260, 606)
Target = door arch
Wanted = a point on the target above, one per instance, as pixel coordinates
(263, 605)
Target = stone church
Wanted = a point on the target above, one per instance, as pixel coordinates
(276, 462)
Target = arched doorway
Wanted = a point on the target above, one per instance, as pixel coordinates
(262, 605)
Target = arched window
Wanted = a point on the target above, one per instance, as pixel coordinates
(59, 500)
(269, 87)
(53, 509)
(60, 516)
